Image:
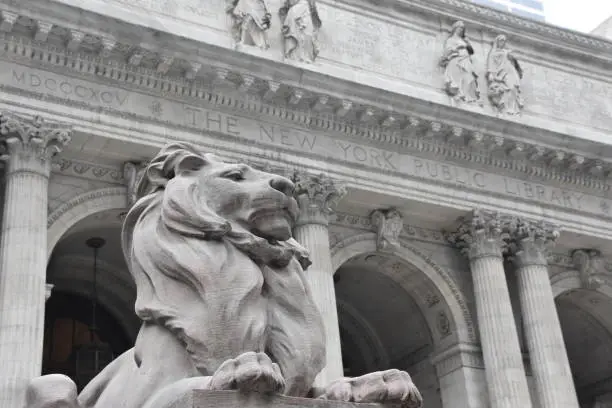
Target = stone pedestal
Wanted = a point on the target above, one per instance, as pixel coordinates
(317, 197)
(234, 399)
(549, 363)
(461, 376)
(482, 239)
(23, 258)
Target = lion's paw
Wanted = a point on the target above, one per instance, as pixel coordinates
(249, 372)
(390, 386)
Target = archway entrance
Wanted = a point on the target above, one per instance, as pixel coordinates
(68, 321)
(392, 316)
(586, 322)
(68, 315)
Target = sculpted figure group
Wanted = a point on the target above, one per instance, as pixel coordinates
(222, 295)
(251, 20)
(503, 72)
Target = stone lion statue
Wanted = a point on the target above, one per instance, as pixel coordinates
(222, 295)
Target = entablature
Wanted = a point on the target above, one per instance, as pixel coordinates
(444, 134)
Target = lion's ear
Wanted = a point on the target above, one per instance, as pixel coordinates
(175, 159)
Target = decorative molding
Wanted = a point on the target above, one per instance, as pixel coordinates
(87, 170)
(408, 231)
(340, 116)
(83, 198)
(490, 15)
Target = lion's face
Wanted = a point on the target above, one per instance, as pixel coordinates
(255, 201)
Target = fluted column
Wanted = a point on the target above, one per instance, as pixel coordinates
(549, 363)
(317, 197)
(29, 144)
(482, 238)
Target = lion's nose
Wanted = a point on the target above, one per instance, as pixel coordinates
(283, 185)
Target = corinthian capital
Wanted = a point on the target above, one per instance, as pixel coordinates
(317, 196)
(531, 241)
(482, 234)
(31, 140)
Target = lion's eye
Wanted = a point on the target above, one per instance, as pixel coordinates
(235, 175)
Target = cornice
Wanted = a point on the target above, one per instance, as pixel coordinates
(520, 26)
(104, 58)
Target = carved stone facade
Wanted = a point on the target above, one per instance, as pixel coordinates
(393, 122)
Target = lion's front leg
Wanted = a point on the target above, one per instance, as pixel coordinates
(390, 386)
(249, 371)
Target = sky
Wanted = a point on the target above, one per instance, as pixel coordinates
(579, 15)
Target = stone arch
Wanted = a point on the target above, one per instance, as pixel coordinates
(77, 208)
(369, 345)
(569, 280)
(452, 295)
(587, 331)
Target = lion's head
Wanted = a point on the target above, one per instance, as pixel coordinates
(189, 206)
(205, 198)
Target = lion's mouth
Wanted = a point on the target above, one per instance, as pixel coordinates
(274, 219)
(269, 206)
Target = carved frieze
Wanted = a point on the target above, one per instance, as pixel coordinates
(504, 74)
(389, 225)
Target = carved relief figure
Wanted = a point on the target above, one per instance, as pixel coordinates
(301, 24)
(589, 263)
(389, 225)
(250, 22)
(222, 294)
(460, 78)
(133, 173)
(504, 76)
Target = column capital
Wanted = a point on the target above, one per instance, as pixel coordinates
(30, 142)
(318, 196)
(531, 241)
(482, 234)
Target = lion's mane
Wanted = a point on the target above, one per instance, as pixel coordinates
(169, 242)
